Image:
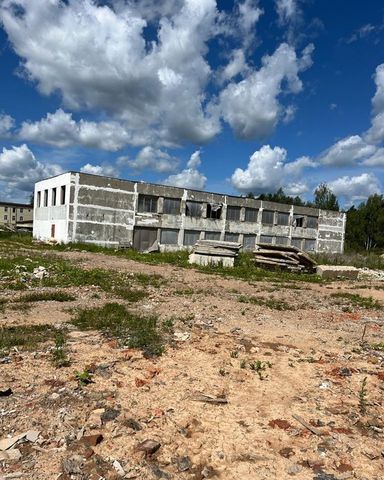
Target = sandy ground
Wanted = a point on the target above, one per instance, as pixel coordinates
(315, 374)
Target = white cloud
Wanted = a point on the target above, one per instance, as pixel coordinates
(355, 188)
(105, 169)
(376, 133)
(190, 177)
(347, 151)
(375, 160)
(150, 158)
(251, 106)
(97, 58)
(268, 170)
(287, 10)
(6, 125)
(19, 170)
(59, 129)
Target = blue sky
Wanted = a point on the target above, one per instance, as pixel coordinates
(227, 96)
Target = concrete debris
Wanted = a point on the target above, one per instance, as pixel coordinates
(73, 465)
(337, 271)
(40, 272)
(283, 257)
(181, 336)
(214, 252)
(119, 469)
(10, 455)
(30, 435)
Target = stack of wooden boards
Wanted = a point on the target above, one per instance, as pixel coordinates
(283, 257)
(214, 252)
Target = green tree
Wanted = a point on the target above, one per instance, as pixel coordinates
(325, 198)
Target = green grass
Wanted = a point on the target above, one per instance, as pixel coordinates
(130, 295)
(46, 297)
(269, 302)
(355, 259)
(116, 321)
(27, 336)
(355, 300)
(59, 353)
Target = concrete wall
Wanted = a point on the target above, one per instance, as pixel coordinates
(112, 212)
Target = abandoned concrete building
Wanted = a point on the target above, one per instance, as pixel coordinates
(79, 207)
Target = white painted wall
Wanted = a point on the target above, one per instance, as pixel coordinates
(46, 216)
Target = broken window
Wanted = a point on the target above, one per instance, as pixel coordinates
(282, 218)
(45, 198)
(249, 242)
(282, 240)
(296, 242)
(309, 244)
(231, 237)
(214, 210)
(298, 221)
(251, 214)
(268, 217)
(233, 213)
(5, 217)
(169, 236)
(311, 222)
(54, 196)
(212, 235)
(171, 206)
(266, 239)
(191, 237)
(193, 209)
(147, 203)
(62, 195)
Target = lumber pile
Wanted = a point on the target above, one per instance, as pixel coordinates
(283, 257)
(214, 252)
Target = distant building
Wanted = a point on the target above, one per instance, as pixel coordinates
(79, 207)
(16, 215)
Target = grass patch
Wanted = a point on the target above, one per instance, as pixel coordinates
(3, 302)
(129, 294)
(116, 321)
(59, 353)
(46, 297)
(27, 336)
(269, 302)
(356, 300)
(355, 259)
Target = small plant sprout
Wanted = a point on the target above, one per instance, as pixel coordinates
(363, 397)
(260, 368)
(234, 354)
(84, 378)
(59, 354)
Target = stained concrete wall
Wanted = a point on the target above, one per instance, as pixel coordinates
(105, 211)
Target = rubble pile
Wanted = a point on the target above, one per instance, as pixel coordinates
(283, 257)
(214, 252)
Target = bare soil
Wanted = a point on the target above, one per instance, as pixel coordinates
(314, 371)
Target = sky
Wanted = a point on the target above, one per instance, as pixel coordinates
(224, 96)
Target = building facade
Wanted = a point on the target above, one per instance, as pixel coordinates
(16, 215)
(79, 207)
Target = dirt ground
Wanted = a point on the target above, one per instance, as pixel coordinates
(304, 413)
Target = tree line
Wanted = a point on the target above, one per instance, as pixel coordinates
(365, 222)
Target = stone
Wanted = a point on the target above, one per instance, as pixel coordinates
(92, 440)
(148, 446)
(133, 424)
(337, 271)
(119, 469)
(73, 464)
(109, 414)
(294, 469)
(183, 463)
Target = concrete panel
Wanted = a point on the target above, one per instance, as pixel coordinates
(105, 198)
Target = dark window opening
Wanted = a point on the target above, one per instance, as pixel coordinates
(249, 242)
(171, 206)
(214, 210)
(309, 245)
(296, 242)
(251, 214)
(5, 209)
(147, 203)
(21, 219)
(282, 240)
(13, 210)
(266, 239)
(45, 198)
(5, 217)
(298, 221)
(233, 213)
(21, 210)
(169, 236)
(311, 222)
(13, 218)
(62, 195)
(54, 190)
(39, 199)
(191, 237)
(193, 209)
(231, 237)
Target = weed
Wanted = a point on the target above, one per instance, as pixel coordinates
(363, 397)
(130, 295)
(269, 302)
(149, 280)
(3, 302)
(116, 321)
(377, 346)
(260, 367)
(84, 378)
(222, 372)
(243, 364)
(234, 354)
(20, 306)
(168, 325)
(28, 336)
(357, 300)
(46, 297)
(59, 353)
